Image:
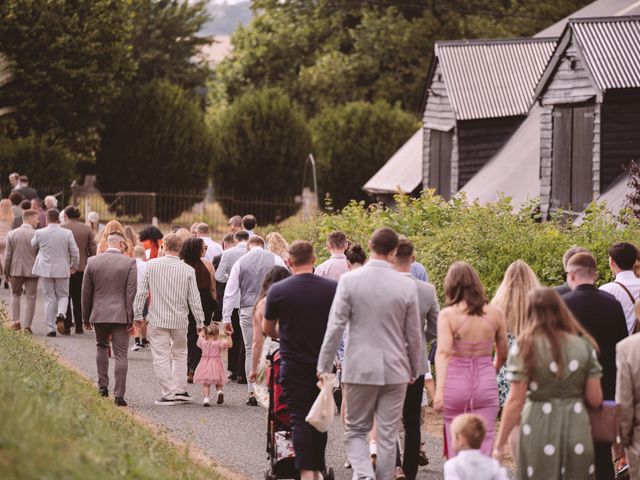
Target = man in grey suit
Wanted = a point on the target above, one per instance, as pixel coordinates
(58, 257)
(429, 309)
(19, 258)
(108, 290)
(383, 352)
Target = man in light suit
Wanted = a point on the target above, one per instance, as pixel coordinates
(108, 290)
(83, 235)
(19, 258)
(429, 309)
(628, 397)
(382, 354)
(57, 259)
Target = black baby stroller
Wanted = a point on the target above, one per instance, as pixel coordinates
(279, 435)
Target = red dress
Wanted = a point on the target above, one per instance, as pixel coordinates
(210, 370)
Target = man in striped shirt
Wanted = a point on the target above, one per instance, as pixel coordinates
(173, 289)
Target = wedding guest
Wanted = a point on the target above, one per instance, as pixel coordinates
(108, 291)
(628, 397)
(6, 219)
(418, 271)
(356, 256)
(565, 288)
(296, 313)
(36, 205)
(213, 248)
(140, 326)
(235, 223)
(468, 432)
(87, 247)
(19, 259)
(93, 220)
(555, 374)
(14, 180)
(626, 286)
(131, 236)
(151, 239)
(112, 227)
(249, 224)
(511, 299)
(379, 307)
(50, 201)
(58, 257)
(602, 316)
(336, 265)
(174, 291)
(27, 192)
(192, 253)
(16, 199)
(184, 234)
(429, 309)
(243, 287)
(278, 245)
(469, 329)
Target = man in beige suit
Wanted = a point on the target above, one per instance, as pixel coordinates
(628, 397)
(57, 259)
(83, 235)
(19, 258)
(383, 352)
(108, 289)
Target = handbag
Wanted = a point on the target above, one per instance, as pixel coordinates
(605, 422)
(324, 408)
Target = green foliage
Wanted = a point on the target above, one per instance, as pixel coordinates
(489, 237)
(42, 437)
(69, 60)
(353, 141)
(262, 143)
(47, 163)
(165, 41)
(156, 139)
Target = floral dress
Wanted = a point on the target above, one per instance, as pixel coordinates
(504, 385)
(555, 433)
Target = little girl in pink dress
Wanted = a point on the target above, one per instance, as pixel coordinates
(210, 370)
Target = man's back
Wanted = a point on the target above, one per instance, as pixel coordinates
(428, 306)
(83, 235)
(333, 268)
(602, 316)
(109, 288)
(252, 268)
(632, 284)
(384, 342)
(301, 304)
(20, 255)
(57, 251)
(227, 261)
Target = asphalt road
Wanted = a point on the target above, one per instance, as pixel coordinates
(233, 435)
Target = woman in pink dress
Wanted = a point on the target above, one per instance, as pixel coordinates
(210, 370)
(468, 329)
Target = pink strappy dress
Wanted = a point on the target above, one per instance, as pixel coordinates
(471, 387)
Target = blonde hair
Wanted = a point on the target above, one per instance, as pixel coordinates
(5, 210)
(113, 226)
(138, 252)
(184, 234)
(211, 330)
(511, 296)
(471, 427)
(278, 245)
(131, 235)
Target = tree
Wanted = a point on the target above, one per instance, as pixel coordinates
(262, 143)
(156, 139)
(166, 41)
(69, 61)
(632, 201)
(353, 141)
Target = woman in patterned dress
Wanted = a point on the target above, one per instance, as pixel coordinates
(511, 298)
(554, 374)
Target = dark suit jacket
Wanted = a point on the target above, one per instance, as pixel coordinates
(562, 289)
(83, 235)
(602, 316)
(28, 192)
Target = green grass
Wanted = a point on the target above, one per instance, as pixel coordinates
(53, 425)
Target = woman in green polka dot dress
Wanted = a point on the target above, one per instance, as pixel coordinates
(554, 372)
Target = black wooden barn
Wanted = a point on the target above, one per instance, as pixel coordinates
(590, 118)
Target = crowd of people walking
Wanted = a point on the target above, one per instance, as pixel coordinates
(549, 363)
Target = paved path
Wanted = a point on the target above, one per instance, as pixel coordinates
(232, 434)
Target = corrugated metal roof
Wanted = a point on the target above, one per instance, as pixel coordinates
(492, 78)
(599, 8)
(402, 172)
(611, 49)
(513, 171)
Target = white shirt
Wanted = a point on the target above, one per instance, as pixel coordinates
(333, 268)
(213, 249)
(232, 291)
(629, 280)
(473, 465)
(141, 267)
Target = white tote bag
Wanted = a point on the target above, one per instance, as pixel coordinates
(324, 408)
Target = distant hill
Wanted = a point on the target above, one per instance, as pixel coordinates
(226, 16)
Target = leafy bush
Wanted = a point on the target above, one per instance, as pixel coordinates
(489, 237)
(45, 163)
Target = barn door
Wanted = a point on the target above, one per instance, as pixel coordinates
(440, 162)
(572, 184)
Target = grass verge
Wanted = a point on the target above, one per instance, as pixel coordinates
(53, 425)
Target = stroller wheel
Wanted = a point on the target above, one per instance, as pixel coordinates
(329, 475)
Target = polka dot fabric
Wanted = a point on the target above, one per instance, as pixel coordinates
(555, 435)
